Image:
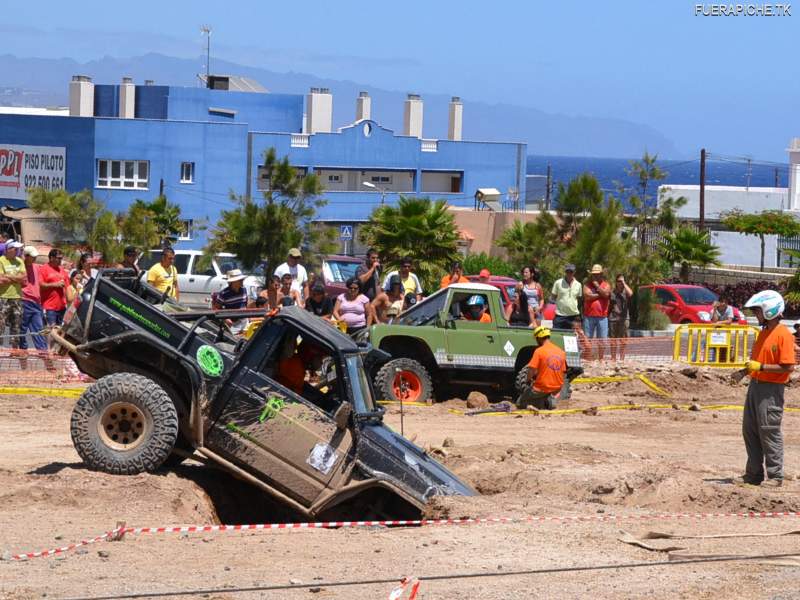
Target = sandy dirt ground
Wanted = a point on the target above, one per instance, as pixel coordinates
(622, 462)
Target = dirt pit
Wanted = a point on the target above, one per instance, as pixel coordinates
(626, 463)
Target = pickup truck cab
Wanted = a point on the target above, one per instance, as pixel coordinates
(173, 383)
(434, 347)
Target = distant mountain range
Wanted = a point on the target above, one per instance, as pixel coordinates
(44, 82)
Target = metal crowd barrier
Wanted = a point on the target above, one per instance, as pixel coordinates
(708, 345)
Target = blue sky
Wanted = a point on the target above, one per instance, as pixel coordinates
(725, 82)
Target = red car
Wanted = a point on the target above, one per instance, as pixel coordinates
(336, 270)
(687, 303)
(507, 290)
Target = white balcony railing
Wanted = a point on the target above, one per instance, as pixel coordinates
(430, 145)
(300, 140)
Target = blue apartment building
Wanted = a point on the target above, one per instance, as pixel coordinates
(199, 145)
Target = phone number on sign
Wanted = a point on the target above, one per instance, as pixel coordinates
(43, 181)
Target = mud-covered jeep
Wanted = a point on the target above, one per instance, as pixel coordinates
(173, 383)
(435, 348)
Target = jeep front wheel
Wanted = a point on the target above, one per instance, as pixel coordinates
(404, 380)
(124, 424)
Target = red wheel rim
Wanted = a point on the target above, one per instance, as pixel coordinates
(407, 386)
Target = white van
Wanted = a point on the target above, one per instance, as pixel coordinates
(197, 279)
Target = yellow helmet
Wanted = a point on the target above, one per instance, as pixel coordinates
(541, 331)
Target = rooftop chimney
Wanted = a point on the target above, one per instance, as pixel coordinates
(81, 96)
(127, 98)
(412, 116)
(456, 114)
(794, 174)
(363, 106)
(149, 82)
(319, 108)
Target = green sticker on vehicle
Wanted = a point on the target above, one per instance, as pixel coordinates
(210, 360)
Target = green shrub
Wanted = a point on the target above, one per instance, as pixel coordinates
(473, 263)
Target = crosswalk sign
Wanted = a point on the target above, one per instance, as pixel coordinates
(345, 232)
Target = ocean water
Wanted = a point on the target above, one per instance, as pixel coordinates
(611, 171)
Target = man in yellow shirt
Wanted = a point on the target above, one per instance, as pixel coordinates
(12, 276)
(164, 276)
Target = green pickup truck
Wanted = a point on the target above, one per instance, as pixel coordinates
(435, 350)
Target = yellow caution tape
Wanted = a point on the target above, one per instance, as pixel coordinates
(601, 379)
(389, 402)
(32, 391)
(652, 386)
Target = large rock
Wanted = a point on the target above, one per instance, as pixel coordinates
(477, 400)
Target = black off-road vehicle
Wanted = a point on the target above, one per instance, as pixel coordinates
(173, 383)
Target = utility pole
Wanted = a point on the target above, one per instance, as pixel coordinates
(547, 189)
(777, 178)
(702, 222)
(749, 171)
(161, 187)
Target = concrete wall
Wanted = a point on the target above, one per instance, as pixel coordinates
(262, 112)
(721, 198)
(482, 227)
(218, 151)
(438, 181)
(367, 146)
(738, 249)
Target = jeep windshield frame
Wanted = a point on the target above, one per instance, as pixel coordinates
(425, 312)
(360, 386)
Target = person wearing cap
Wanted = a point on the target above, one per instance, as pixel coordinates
(456, 275)
(53, 285)
(566, 293)
(318, 303)
(129, 258)
(546, 371)
(409, 280)
(596, 296)
(484, 276)
(389, 304)
(772, 362)
(32, 315)
(369, 274)
(12, 278)
(296, 270)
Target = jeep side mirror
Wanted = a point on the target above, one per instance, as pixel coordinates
(342, 415)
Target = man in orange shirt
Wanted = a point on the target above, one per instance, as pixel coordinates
(771, 363)
(456, 276)
(545, 372)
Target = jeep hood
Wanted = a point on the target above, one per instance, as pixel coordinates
(387, 456)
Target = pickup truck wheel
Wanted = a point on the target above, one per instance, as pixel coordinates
(124, 424)
(404, 380)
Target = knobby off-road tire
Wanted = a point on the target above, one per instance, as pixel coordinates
(412, 384)
(521, 381)
(124, 424)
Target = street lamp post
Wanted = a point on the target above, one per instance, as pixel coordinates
(382, 190)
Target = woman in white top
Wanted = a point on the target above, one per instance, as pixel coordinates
(533, 291)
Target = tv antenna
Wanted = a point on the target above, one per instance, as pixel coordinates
(206, 31)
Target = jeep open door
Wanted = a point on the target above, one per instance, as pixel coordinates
(288, 439)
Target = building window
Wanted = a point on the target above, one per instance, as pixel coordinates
(130, 174)
(334, 178)
(187, 172)
(381, 179)
(262, 177)
(187, 227)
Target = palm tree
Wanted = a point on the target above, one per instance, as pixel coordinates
(420, 228)
(690, 248)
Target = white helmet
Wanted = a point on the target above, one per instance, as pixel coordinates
(769, 301)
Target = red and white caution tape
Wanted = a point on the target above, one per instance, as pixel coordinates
(121, 531)
(398, 592)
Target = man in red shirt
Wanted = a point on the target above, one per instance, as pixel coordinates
(596, 294)
(53, 283)
(546, 371)
(32, 322)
